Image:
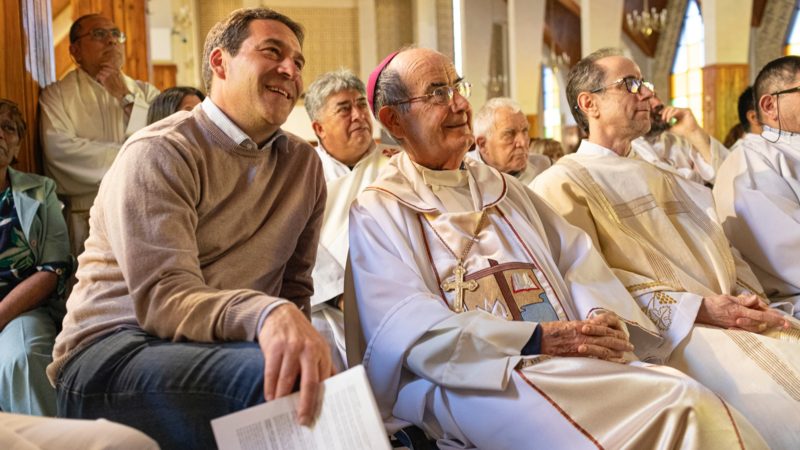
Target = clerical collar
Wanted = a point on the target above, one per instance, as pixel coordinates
(447, 178)
(236, 134)
(773, 135)
(590, 148)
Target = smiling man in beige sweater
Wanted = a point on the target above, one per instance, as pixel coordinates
(193, 291)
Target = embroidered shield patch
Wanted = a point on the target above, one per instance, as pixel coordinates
(511, 291)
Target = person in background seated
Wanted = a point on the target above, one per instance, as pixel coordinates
(336, 103)
(661, 236)
(502, 140)
(548, 147)
(677, 143)
(172, 100)
(34, 264)
(748, 119)
(758, 186)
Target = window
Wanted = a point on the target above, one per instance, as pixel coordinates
(687, 69)
(793, 40)
(552, 104)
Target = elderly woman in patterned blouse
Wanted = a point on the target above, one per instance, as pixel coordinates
(34, 263)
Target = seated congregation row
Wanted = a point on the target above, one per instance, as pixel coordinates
(597, 300)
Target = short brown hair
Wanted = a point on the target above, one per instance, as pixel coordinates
(585, 76)
(231, 32)
(774, 77)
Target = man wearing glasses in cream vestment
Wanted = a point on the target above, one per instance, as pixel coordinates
(87, 115)
(660, 235)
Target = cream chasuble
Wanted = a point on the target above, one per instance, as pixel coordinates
(83, 128)
(659, 234)
(343, 184)
(460, 376)
(674, 153)
(758, 201)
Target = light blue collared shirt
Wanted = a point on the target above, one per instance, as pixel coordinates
(236, 134)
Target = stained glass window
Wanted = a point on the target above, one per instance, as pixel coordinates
(687, 69)
(793, 40)
(552, 104)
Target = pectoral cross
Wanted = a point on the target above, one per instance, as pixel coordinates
(458, 284)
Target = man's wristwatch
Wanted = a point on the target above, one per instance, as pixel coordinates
(128, 99)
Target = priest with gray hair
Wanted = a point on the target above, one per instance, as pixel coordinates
(336, 103)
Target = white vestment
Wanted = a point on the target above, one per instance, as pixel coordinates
(536, 164)
(758, 201)
(461, 377)
(23, 432)
(83, 127)
(660, 235)
(343, 185)
(676, 154)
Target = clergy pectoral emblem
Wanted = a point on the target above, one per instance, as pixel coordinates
(457, 283)
(511, 291)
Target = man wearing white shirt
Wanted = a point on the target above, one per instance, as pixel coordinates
(659, 233)
(758, 188)
(87, 115)
(336, 103)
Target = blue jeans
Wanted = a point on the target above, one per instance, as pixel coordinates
(169, 390)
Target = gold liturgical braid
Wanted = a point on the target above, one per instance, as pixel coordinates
(457, 283)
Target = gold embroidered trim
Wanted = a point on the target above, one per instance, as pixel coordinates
(659, 310)
(664, 299)
(649, 285)
(712, 229)
(672, 208)
(660, 265)
(790, 335)
(768, 361)
(635, 206)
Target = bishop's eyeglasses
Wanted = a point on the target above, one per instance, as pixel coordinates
(442, 95)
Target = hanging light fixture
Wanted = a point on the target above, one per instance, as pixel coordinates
(648, 21)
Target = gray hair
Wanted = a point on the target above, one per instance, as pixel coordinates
(228, 34)
(389, 89)
(484, 119)
(328, 84)
(585, 76)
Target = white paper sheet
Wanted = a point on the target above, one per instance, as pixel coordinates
(348, 420)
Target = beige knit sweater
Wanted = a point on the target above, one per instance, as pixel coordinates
(193, 236)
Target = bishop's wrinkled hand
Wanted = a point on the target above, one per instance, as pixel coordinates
(599, 337)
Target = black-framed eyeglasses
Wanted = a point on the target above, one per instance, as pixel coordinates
(102, 34)
(632, 85)
(442, 95)
(787, 91)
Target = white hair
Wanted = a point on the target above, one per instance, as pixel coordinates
(484, 119)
